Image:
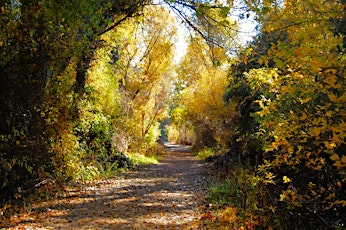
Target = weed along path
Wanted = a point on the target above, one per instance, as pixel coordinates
(169, 195)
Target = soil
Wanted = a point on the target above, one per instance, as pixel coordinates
(170, 195)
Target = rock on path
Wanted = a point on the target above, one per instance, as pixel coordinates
(169, 195)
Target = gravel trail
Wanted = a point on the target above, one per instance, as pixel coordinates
(169, 195)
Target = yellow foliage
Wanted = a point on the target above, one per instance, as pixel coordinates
(286, 179)
(302, 101)
(144, 74)
(204, 84)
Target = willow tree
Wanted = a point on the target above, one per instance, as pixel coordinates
(202, 83)
(145, 67)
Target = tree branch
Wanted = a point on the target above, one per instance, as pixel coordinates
(114, 25)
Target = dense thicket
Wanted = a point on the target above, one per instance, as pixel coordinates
(41, 41)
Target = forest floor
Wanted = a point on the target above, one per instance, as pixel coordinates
(170, 195)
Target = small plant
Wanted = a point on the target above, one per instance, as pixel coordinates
(107, 169)
(240, 201)
(221, 192)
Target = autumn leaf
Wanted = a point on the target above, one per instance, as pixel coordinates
(335, 157)
(343, 160)
(286, 180)
(329, 145)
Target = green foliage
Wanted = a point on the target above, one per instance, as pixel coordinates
(110, 164)
(239, 202)
(94, 132)
(140, 159)
(12, 169)
(238, 190)
(221, 193)
(205, 153)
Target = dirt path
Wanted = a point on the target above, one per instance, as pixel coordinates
(165, 196)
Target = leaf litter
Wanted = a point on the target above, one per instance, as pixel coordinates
(169, 195)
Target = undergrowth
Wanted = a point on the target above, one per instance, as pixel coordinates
(239, 202)
(140, 159)
(105, 167)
